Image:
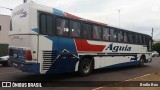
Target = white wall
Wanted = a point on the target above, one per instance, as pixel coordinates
(5, 27)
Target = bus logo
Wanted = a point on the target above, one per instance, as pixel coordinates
(6, 84)
(118, 48)
(21, 12)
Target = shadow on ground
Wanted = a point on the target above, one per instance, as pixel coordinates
(61, 77)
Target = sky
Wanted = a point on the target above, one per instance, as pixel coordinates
(135, 15)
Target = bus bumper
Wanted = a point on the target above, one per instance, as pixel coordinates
(25, 67)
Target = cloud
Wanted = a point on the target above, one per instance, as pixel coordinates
(137, 15)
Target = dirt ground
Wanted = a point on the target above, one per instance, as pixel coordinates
(145, 82)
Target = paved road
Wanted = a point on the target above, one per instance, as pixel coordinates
(114, 74)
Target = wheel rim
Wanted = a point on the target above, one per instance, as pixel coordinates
(142, 62)
(86, 67)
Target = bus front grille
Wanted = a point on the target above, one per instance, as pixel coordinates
(48, 58)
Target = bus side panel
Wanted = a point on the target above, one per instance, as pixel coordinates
(67, 55)
(57, 54)
(19, 45)
(44, 44)
(114, 61)
(34, 48)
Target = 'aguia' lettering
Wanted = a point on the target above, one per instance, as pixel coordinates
(118, 48)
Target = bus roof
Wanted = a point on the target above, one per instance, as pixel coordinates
(66, 14)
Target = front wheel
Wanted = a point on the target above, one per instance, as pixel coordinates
(85, 67)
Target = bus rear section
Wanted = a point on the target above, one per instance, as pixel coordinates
(21, 55)
(23, 41)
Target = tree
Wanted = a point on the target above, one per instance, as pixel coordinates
(156, 47)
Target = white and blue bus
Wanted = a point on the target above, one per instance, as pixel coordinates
(46, 40)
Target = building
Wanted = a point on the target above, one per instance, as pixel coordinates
(4, 34)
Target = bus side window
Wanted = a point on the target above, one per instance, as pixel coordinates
(140, 39)
(49, 25)
(87, 31)
(97, 32)
(144, 40)
(125, 37)
(120, 36)
(62, 27)
(113, 33)
(131, 38)
(136, 39)
(75, 29)
(46, 24)
(128, 37)
(106, 34)
(43, 24)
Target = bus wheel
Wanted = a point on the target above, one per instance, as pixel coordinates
(141, 62)
(85, 67)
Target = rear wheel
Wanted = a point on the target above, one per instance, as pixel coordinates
(85, 67)
(141, 62)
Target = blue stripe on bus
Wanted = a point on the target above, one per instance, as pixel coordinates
(62, 43)
(35, 30)
(112, 55)
(31, 68)
(58, 12)
(123, 64)
(27, 67)
(63, 65)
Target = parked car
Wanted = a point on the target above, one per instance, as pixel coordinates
(4, 60)
(155, 53)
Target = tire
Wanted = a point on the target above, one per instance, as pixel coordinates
(85, 67)
(141, 62)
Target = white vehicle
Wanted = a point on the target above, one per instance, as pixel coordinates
(46, 40)
(4, 60)
(155, 53)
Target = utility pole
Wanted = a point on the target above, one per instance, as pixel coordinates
(75, 10)
(24, 1)
(119, 12)
(152, 32)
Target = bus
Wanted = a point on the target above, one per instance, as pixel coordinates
(46, 40)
